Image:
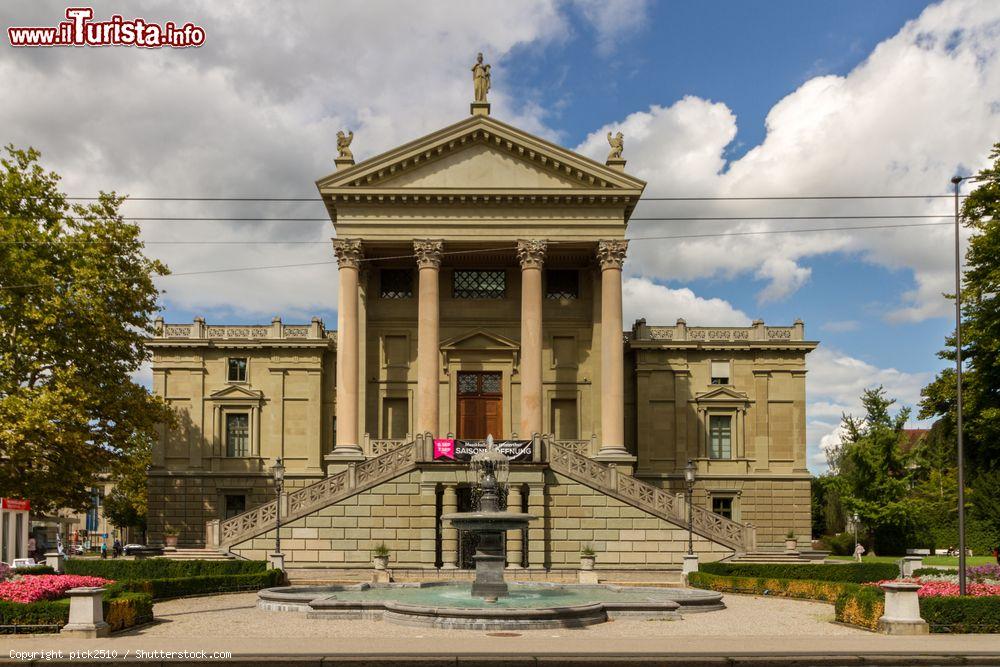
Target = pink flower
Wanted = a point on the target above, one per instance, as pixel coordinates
(32, 588)
(938, 588)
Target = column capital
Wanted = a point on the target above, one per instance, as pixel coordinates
(348, 253)
(428, 252)
(531, 253)
(611, 253)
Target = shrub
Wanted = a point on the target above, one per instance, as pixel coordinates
(933, 572)
(35, 569)
(45, 614)
(162, 568)
(841, 544)
(861, 606)
(824, 591)
(961, 614)
(160, 589)
(857, 573)
(125, 610)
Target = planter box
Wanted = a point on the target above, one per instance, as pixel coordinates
(587, 562)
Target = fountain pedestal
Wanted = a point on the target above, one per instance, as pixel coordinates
(490, 559)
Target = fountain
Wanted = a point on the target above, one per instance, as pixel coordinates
(490, 604)
(490, 523)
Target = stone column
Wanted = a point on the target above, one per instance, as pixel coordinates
(449, 534)
(86, 613)
(349, 254)
(531, 255)
(902, 610)
(611, 256)
(515, 538)
(428, 254)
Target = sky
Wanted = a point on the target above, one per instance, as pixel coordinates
(716, 99)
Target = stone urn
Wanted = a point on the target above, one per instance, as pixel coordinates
(587, 561)
(381, 562)
(170, 540)
(791, 545)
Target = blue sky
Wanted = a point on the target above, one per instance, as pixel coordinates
(715, 98)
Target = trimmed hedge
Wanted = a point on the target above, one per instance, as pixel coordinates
(862, 606)
(126, 610)
(824, 591)
(933, 572)
(121, 610)
(962, 614)
(161, 568)
(857, 573)
(35, 569)
(161, 589)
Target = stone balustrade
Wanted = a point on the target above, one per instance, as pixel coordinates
(276, 330)
(681, 332)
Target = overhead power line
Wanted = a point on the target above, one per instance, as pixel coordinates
(693, 198)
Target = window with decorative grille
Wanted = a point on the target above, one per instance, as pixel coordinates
(479, 284)
(396, 283)
(562, 284)
(720, 429)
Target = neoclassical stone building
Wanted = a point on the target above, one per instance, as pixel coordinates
(480, 292)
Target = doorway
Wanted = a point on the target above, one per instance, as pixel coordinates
(480, 405)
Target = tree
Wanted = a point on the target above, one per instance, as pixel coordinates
(980, 331)
(76, 300)
(874, 474)
(127, 504)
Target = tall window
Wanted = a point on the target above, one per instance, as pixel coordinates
(562, 284)
(396, 283)
(720, 372)
(237, 434)
(723, 506)
(237, 369)
(720, 429)
(478, 284)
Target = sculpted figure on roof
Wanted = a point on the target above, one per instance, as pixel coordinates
(344, 145)
(480, 79)
(617, 143)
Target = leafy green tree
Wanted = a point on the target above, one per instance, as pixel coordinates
(980, 331)
(127, 504)
(874, 471)
(76, 300)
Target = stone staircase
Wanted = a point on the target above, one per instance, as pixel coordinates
(359, 477)
(186, 553)
(769, 557)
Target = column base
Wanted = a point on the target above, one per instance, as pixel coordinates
(449, 566)
(615, 455)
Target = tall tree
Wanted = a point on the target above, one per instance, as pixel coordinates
(76, 300)
(980, 331)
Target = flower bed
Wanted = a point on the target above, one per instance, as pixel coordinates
(946, 587)
(34, 588)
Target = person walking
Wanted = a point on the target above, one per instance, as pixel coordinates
(104, 551)
(116, 548)
(859, 552)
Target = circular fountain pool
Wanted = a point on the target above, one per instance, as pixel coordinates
(453, 606)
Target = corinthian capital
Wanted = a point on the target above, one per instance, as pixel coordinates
(531, 253)
(611, 254)
(428, 253)
(348, 253)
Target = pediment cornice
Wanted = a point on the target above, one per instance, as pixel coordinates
(236, 392)
(722, 395)
(495, 341)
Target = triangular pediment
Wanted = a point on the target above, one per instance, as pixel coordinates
(480, 155)
(722, 394)
(479, 339)
(236, 391)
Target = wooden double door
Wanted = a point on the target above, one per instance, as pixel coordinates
(480, 405)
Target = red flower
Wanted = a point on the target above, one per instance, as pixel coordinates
(32, 588)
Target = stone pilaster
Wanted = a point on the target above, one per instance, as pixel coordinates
(536, 529)
(449, 534)
(531, 254)
(349, 255)
(428, 254)
(611, 257)
(515, 538)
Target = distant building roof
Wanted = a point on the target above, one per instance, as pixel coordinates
(912, 436)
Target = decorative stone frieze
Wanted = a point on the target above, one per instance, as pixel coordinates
(348, 252)
(428, 253)
(531, 253)
(611, 253)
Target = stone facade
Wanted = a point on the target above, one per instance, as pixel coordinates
(481, 255)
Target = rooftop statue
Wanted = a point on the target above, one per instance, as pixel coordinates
(344, 145)
(617, 146)
(480, 79)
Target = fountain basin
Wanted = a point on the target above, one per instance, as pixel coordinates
(452, 606)
(488, 521)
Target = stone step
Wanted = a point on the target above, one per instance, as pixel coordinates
(188, 553)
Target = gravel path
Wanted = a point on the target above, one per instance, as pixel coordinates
(745, 616)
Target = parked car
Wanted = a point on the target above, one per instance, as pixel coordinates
(130, 549)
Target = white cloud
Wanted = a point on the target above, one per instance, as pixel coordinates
(920, 108)
(613, 21)
(663, 305)
(836, 381)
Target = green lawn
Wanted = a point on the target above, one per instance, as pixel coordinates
(930, 561)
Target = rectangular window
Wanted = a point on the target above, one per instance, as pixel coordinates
(394, 417)
(562, 284)
(723, 506)
(237, 369)
(720, 437)
(477, 284)
(720, 372)
(235, 504)
(237, 434)
(396, 283)
(564, 421)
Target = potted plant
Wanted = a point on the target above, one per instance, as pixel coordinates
(170, 535)
(791, 544)
(587, 558)
(380, 557)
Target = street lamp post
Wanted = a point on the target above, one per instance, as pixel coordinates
(854, 522)
(689, 476)
(278, 470)
(957, 182)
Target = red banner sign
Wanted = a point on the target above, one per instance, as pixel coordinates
(15, 504)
